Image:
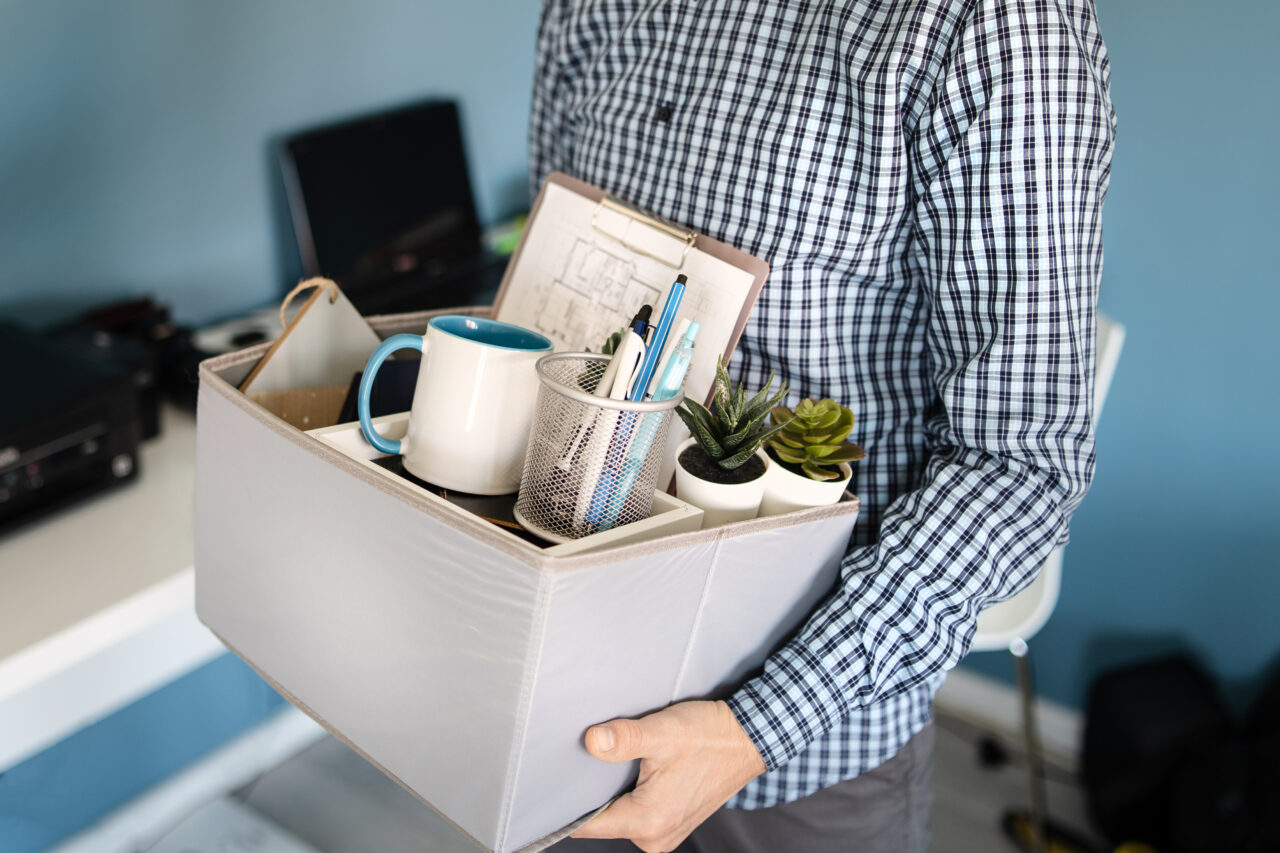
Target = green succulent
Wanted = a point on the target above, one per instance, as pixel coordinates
(735, 426)
(812, 438)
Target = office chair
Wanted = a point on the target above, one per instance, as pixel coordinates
(1010, 624)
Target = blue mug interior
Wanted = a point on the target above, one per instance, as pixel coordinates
(491, 333)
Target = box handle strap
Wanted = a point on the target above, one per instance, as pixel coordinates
(322, 283)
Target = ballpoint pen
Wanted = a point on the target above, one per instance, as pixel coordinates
(669, 384)
(604, 425)
(629, 354)
(606, 492)
(615, 381)
(672, 378)
(659, 339)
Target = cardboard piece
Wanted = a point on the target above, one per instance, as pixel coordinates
(304, 408)
(304, 376)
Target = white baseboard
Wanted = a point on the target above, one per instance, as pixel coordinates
(993, 706)
(56, 687)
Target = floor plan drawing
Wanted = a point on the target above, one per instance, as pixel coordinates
(594, 296)
(578, 282)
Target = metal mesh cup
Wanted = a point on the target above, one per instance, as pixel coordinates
(592, 462)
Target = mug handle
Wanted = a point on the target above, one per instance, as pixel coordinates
(390, 345)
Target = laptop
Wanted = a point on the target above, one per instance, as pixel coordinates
(382, 204)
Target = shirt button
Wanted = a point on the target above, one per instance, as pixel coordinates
(664, 113)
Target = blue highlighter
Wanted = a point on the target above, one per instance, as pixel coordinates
(669, 308)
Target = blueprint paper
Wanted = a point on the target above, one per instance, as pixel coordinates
(577, 285)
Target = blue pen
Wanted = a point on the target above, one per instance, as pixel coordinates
(660, 332)
(606, 492)
(630, 356)
(669, 385)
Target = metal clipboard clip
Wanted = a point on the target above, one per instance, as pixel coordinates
(613, 208)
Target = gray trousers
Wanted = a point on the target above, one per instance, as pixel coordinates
(883, 811)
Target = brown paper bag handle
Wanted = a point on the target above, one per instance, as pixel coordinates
(322, 283)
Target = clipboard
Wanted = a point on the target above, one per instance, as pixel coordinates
(576, 264)
(587, 261)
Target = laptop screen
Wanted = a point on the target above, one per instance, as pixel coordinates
(382, 196)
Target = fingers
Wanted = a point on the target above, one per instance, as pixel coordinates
(693, 759)
(629, 818)
(617, 741)
(624, 819)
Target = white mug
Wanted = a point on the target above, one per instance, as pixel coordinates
(473, 404)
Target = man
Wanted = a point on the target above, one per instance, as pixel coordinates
(926, 180)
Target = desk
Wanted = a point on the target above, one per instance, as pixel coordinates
(96, 602)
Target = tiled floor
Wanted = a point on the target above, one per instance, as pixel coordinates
(329, 797)
(969, 800)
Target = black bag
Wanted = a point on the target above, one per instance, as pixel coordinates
(1166, 764)
(1264, 739)
(1209, 806)
(1154, 736)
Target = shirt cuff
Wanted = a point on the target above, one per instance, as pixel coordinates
(789, 705)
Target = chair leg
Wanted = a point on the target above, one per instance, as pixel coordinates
(1035, 766)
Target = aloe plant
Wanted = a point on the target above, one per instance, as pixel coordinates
(735, 426)
(812, 439)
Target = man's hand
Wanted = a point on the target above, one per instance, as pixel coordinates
(693, 757)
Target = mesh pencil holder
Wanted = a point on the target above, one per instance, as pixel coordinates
(592, 463)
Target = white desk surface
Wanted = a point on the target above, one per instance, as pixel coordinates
(77, 562)
(96, 601)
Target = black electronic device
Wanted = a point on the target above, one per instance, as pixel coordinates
(138, 335)
(136, 358)
(69, 425)
(382, 204)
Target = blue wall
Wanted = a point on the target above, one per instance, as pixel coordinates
(133, 134)
(1177, 544)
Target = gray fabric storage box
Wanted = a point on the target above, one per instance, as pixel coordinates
(463, 661)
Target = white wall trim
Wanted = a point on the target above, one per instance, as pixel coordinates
(993, 706)
(58, 686)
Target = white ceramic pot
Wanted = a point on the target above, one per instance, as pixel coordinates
(786, 492)
(720, 503)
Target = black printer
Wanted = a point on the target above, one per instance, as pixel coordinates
(69, 425)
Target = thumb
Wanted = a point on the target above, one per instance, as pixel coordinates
(616, 741)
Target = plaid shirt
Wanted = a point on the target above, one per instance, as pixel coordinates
(926, 180)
